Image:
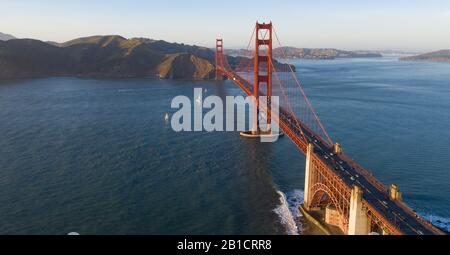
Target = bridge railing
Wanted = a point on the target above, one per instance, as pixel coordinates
(363, 172)
(424, 222)
(380, 186)
(385, 224)
(370, 177)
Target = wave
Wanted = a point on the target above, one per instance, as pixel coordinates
(288, 211)
(438, 221)
(134, 90)
(125, 90)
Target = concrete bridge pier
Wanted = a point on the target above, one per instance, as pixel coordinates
(337, 148)
(394, 193)
(308, 172)
(358, 221)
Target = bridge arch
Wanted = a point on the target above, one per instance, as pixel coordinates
(318, 192)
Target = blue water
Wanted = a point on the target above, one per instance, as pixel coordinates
(97, 157)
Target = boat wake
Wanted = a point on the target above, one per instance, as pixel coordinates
(289, 213)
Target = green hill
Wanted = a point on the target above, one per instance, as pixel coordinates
(113, 56)
(179, 66)
(109, 56)
(31, 58)
(437, 56)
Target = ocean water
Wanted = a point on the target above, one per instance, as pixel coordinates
(97, 156)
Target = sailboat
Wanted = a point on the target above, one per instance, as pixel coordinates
(198, 100)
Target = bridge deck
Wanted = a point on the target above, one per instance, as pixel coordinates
(395, 214)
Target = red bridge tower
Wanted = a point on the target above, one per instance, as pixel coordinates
(263, 68)
(219, 59)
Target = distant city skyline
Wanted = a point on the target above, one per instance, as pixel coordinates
(348, 24)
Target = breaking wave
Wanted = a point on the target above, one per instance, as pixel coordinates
(438, 221)
(288, 211)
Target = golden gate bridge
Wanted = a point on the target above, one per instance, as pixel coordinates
(334, 182)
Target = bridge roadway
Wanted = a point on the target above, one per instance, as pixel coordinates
(378, 200)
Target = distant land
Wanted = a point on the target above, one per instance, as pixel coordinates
(6, 37)
(308, 53)
(108, 57)
(397, 52)
(436, 56)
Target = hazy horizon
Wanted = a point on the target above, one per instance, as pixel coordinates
(352, 25)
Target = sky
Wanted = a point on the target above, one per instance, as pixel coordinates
(347, 24)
